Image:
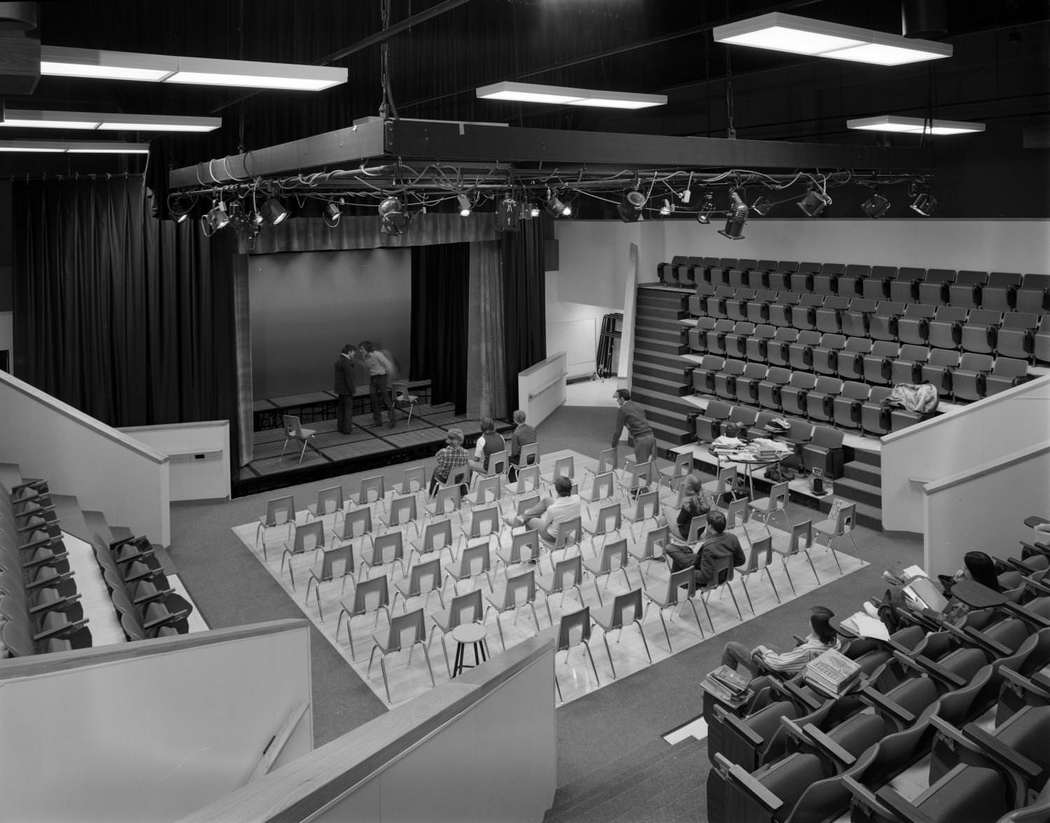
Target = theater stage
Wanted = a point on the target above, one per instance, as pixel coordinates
(332, 453)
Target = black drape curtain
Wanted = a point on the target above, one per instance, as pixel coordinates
(524, 303)
(440, 299)
(125, 317)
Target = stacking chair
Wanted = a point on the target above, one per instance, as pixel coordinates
(608, 521)
(464, 609)
(608, 461)
(406, 631)
(722, 581)
(307, 537)
(837, 526)
(447, 500)
(563, 467)
(637, 479)
(524, 548)
(878, 363)
(602, 489)
(473, 561)
(514, 593)
(1016, 335)
(293, 430)
(776, 503)
(369, 596)
(357, 524)
(666, 596)
(497, 465)
(1005, 374)
(625, 609)
(487, 491)
(528, 481)
(566, 575)
(612, 558)
(329, 502)
(569, 534)
(945, 329)
(980, 331)
(759, 559)
(484, 524)
(424, 579)
(574, 629)
(341, 558)
(279, 512)
(436, 537)
(646, 507)
(371, 491)
(528, 456)
(725, 478)
(778, 349)
(708, 424)
(403, 513)
(387, 549)
(673, 476)
(414, 481)
(847, 406)
(798, 542)
(403, 397)
(657, 538)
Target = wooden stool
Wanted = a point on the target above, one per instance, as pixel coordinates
(472, 633)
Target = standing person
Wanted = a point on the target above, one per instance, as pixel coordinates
(378, 382)
(344, 389)
(523, 435)
(449, 458)
(490, 442)
(633, 417)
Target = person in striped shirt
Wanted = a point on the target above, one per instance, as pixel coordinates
(763, 659)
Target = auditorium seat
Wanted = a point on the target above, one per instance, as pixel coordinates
(793, 395)
(736, 306)
(738, 279)
(747, 383)
(758, 343)
(718, 276)
(824, 357)
(938, 369)
(716, 338)
(758, 306)
(965, 292)
(1001, 292)
(945, 330)
(820, 401)
(826, 280)
(800, 433)
(877, 285)
(824, 452)
(709, 422)
(979, 332)
(715, 304)
(800, 353)
(759, 428)
(743, 417)
(698, 335)
(801, 281)
(804, 314)
(904, 283)
(855, 319)
(1015, 336)
(847, 406)
(874, 414)
(780, 311)
(906, 367)
(851, 282)
(882, 323)
(684, 273)
(725, 379)
(850, 364)
(968, 381)
(769, 390)
(778, 349)
(913, 326)
(1034, 294)
(876, 364)
(1005, 374)
(1041, 341)
(665, 271)
(829, 315)
(736, 341)
(704, 374)
(935, 286)
(779, 278)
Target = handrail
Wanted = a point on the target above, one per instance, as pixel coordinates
(82, 419)
(1004, 462)
(192, 424)
(557, 380)
(535, 367)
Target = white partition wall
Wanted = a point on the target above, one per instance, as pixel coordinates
(107, 470)
(199, 455)
(541, 388)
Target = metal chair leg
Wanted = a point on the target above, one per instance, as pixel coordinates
(739, 614)
(302, 453)
(814, 568)
(666, 633)
(645, 642)
(769, 574)
(609, 654)
(557, 685)
(426, 657)
(707, 611)
(783, 562)
(594, 668)
(386, 683)
(743, 584)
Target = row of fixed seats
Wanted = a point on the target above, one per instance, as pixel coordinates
(39, 608)
(1022, 335)
(949, 722)
(1000, 291)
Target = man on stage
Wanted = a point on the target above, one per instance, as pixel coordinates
(379, 368)
(344, 389)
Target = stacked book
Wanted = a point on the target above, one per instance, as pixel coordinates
(832, 673)
(726, 685)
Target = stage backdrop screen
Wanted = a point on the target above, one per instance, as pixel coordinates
(305, 306)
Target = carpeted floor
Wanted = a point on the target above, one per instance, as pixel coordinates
(601, 737)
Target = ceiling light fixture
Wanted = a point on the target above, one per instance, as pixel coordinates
(555, 207)
(29, 119)
(666, 208)
(274, 211)
(537, 93)
(814, 202)
(534, 210)
(703, 217)
(736, 217)
(914, 125)
(876, 205)
(392, 218)
(631, 204)
(818, 38)
(465, 206)
(924, 204)
(508, 214)
(332, 215)
(74, 147)
(762, 206)
(97, 64)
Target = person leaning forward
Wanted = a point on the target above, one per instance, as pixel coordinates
(343, 386)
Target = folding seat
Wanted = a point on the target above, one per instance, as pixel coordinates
(1034, 294)
(874, 414)
(1006, 374)
(769, 389)
(1041, 341)
(980, 331)
(882, 324)
(727, 262)
(745, 264)
(665, 271)
(1016, 334)
(698, 334)
(936, 286)
(747, 383)
(704, 374)
(758, 306)
(876, 286)
(759, 428)
(801, 281)
(825, 356)
(825, 282)
(851, 282)
(738, 278)
(801, 432)
(715, 304)
(765, 265)
(793, 395)
(804, 315)
(718, 276)
(716, 338)
(902, 284)
(851, 359)
(848, 405)
(725, 380)
(743, 417)
(965, 290)
(736, 306)
(758, 342)
(705, 269)
(829, 316)
(938, 369)
(914, 325)
(696, 305)
(820, 401)
(779, 279)
(736, 341)
(906, 367)
(709, 422)
(800, 353)
(804, 266)
(968, 380)
(877, 362)
(780, 311)
(1001, 292)
(786, 266)
(945, 330)
(777, 349)
(824, 452)
(855, 319)
(683, 272)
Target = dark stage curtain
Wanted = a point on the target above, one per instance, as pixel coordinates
(440, 292)
(125, 317)
(524, 306)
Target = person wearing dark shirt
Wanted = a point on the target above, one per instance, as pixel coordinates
(488, 444)
(378, 381)
(716, 545)
(523, 435)
(344, 389)
(633, 417)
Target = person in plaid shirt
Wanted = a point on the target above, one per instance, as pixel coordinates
(449, 458)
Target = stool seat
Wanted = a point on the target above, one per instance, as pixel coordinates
(468, 633)
(472, 634)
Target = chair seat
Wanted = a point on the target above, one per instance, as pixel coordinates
(603, 616)
(825, 526)
(307, 432)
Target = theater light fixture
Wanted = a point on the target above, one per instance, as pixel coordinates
(556, 208)
(534, 210)
(814, 202)
(392, 218)
(687, 193)
(61, 61)
(818, 38)
(736, 217)
(631, 204)
(465, 206)
(762, 206)
(332, 215)
(274, 211)
(537, 93)
(914, 125)
(508, 214)
(667, 208)
(924, 203)
(74, 147)
(102, 121)
(703, 217)
(876, 205)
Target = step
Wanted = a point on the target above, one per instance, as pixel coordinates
(662, 325)
(676, 302)
(668, 418)
(669, 437)
(658, 385)
(676, 374)
(71, 517)
(660, 340)
(662, 295)
(121, 532)
(863, 472)
(859, 492)
(96, 521)
(868, 458)
(668, 360)
(671, 403)
(659, 313)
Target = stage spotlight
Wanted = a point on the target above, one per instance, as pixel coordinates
(703, 217)
(332, 214)
(218, 217)
(876, 205)
(666, 208)
(924, 204)
(761, 206)
(465, 206)
(630, 206)
(508, 214)
(534, 210)
(274, 211)
(181, 218)
(736, 217)
(392, 218)
(556, 208)
(814, 202)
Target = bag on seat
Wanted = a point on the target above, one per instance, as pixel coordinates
(920, 398)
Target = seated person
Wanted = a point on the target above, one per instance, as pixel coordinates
(524, 435)
(488, 444)
(695, 502)
(545, 516)
(449, 458)
(729, 439)
(715, 545)
(821, 638)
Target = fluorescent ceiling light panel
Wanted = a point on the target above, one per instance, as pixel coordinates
(61, 61)
(913, 125)
(25, 118)
(73, 147)
(30, 146)
(819, 38)
(536, 93)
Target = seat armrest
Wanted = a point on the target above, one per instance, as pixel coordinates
(50, 507)
(132, 558)
(892, 708)
(829, 746)
(935, 670)
(43, 561)
(864, 796)
(171, 617)
(58, 578)
(60, 630)
(795, 691)
(982, 640)
(1001, 752)
(1023, 683)
(735, 773)
(1021, 612)
(148, 597)
(739, 726)
(902, 808)
(62, 601)
(43, 541)
(46, 526)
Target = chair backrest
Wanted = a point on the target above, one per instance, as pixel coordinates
(329, 500)
(659, 536)
(521, 589)
(608, 460)
(525, 544)
(458, 476)
(567, 572)
(528, 479)
(826, 437)
(389, 547)
(372, 489)
(570, 532)
(801, 536)
(844, 518)
(372, 594)
(529, 455)
(614, 550)
(498, 462)
(696, 528)
(403, 510)
(308, 536)
(647, 504)
(414, 479)
(406, 630)
(610, 518)
(755, 559)
(474, 560)
(721, 573)
(488, 490)
(677, 580)
(465, 608)
(357, 522)
(280, 511)
(736, 513)
(725, 478)
(604, 486)
(574, 628)
(527, 503)
(683, 464)
(436, 536)
(293, 426)
(565, 467)
(447, 499)
(626, 608)
(424, 577)
(484, 522)
(778, 497)
(640, 475)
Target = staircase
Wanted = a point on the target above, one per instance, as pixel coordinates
(660, 377)
(861, 483)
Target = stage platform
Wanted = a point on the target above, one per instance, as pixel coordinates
(332, 453)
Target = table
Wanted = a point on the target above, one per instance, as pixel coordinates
(472, 633)
(749, 460)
